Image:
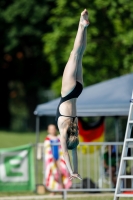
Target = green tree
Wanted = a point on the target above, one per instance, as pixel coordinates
(23, 64)
(110, 39)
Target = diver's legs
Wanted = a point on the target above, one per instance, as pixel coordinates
(71, 72)
(79, 75)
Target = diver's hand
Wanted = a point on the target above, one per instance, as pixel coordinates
(75, 175)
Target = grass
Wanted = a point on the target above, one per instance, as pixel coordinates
(13, 139)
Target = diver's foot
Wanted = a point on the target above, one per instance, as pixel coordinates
(84, 18)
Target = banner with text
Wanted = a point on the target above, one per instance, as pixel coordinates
(17, 169)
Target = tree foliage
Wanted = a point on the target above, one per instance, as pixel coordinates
(22, 63)
(109, 52)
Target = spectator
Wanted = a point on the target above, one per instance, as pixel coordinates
(110, 163)
(56, 173)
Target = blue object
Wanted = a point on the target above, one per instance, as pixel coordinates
(54, 147)
(114, 149)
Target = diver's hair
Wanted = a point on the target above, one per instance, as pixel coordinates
(72, 132)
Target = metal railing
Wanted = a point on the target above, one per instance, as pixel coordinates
(91, 156)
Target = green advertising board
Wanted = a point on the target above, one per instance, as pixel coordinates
(17, 169)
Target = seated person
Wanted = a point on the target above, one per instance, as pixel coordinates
(56, 173)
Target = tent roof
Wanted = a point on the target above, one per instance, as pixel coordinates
(107, 98)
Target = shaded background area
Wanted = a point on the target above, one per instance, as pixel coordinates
(36, 39)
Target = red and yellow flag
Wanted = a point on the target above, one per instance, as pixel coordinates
(91, 133)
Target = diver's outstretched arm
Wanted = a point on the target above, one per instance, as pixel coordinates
(63, 139)
(73, 173)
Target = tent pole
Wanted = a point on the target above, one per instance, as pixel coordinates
(117, 129)
(117, 132)
(37, 140)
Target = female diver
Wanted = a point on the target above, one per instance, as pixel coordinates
(72, 85)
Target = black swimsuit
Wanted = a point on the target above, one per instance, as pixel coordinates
(73, 94)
